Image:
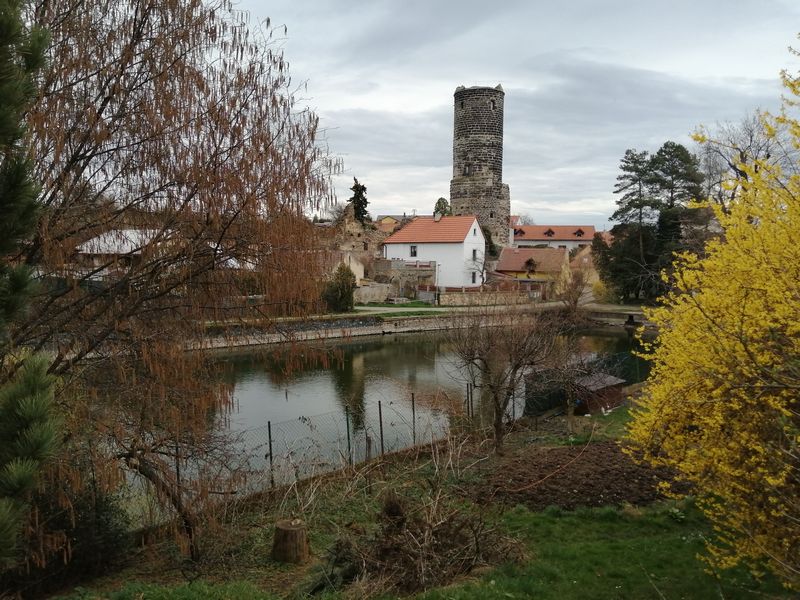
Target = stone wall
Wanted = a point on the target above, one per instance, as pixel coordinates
(405, 276)
(372, 292)
(482, 298)
(477, 186)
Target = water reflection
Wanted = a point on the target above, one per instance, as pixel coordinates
(354, 375)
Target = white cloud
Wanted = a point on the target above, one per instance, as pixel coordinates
(584, 80)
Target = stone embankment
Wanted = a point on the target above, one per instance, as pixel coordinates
(364, 325)
(320, 330)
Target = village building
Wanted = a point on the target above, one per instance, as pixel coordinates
(390, 223)
(455, 244)
(554, 236)
(548, 268)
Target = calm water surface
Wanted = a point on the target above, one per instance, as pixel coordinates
(318, 411)
(360, 372)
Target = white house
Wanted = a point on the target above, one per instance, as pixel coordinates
(455, 243)
(553, 236)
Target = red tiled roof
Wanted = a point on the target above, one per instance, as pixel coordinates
(426, 229)
(548, 260)
(554, 232)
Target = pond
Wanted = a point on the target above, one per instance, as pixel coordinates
(364, 396)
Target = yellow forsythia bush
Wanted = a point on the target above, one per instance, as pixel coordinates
(722, 405)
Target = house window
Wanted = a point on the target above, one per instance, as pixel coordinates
(467, 169)
(462, 104)
(491, 215)
(492, 104)
(366, 245)
(413, 251)
(474, 254)
(474, 231)
(474, 277)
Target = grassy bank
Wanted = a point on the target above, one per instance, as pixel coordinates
(618, 551)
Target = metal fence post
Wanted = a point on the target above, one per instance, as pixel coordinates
(413, 420)
(271, 471)
(349, 447)
(380, 424)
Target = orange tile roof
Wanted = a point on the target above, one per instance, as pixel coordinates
(548, 260)
(554, 232)
(426, 229)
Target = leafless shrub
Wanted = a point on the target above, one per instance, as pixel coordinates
(418, 544)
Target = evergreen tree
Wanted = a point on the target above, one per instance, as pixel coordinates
(359, 201)
(21, 55)
(675, 176)
(652, 207)
(442, 207)
(28, 437)
(619, 266)
(28, 431)
(636, 205)
(338, 293)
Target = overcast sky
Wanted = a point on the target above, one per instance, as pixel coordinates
(584, 81)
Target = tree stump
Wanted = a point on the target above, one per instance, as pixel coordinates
(290, 544)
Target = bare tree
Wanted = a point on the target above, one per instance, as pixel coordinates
(573, 293)
(731, 146)
(498, 349)
(175, 169)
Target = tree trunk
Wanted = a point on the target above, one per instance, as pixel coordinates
(187, 517)
(290, 544)
(499, 428)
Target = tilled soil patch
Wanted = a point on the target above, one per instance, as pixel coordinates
(597, 474)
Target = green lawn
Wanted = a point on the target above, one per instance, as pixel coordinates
(410, 303)
(608, 554)
(189, 591)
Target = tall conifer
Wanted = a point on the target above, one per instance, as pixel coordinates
(28, 431)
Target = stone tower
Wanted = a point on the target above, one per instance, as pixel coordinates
(477, 186)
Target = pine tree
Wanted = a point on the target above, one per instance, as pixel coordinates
(636, 205)
(28, 430)
(359, 201)
(675, 176)
(28, 437)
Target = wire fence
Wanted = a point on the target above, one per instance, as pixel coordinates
(292, 450)
(289, 451)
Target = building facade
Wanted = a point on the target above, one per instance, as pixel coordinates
(455, 244)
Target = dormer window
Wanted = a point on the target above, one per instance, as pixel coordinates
(578, 233)
(549, 233)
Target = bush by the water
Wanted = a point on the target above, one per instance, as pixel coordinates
(338, 292)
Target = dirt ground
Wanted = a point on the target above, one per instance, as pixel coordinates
(596, 474)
